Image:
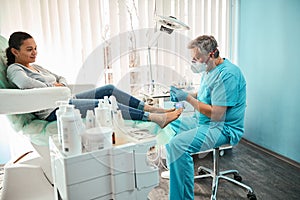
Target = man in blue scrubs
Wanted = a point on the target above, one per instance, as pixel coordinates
(219, 118)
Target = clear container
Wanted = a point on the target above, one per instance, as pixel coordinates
(97, 138)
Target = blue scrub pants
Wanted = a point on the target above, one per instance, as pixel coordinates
(190, 137)
(131, 108)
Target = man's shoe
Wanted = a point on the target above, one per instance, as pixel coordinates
(165, 174)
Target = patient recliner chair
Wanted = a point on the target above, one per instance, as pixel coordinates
(28, 178)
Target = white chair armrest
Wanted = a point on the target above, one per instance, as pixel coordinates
(17, 101)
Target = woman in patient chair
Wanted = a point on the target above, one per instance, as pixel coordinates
(22, 52)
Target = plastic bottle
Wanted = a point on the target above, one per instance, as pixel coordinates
(117, 122)
(108, 105)
(106, 101)
(90, 119)
(59, 112)
(103, 113)
(72, 128)
(114, 110)
(98, 115)
(113, 103)
(117, 117)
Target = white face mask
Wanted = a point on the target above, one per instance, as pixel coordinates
(197, 67)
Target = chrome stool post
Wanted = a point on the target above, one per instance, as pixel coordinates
(215, 174)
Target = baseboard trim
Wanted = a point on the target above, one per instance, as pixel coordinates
(272, 153)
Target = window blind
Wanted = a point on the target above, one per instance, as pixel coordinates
(105, 41)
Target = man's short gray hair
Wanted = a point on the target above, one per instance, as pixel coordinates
(205, 43)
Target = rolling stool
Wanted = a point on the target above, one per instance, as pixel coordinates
(215, 174)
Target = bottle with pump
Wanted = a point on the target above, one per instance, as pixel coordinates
(72, 128)
(61, 109)
(103, 113)
(117, 117)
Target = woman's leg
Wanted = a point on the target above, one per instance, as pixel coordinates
(162, 119)
(83, 105)
(121, 97)
(108, 90)
(154, 109)
(52, 116)
(129, 113)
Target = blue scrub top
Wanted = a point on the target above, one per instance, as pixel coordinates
(225, 85)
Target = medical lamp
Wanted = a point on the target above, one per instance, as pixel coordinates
(168, 25)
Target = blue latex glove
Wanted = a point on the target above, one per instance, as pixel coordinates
(177, 95)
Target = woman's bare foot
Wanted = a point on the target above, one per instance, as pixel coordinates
(163, 119)
(153, 109)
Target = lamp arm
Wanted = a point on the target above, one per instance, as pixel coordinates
(154, 39)
(150, 64)
(150, 44)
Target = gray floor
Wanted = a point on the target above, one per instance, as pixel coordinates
(270, 177)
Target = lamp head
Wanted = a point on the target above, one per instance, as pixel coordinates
(165, 29)
(169, 24)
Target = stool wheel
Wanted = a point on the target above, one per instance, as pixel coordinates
(251, 196)
(237, 177)
(202, 172)
(221, 152)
